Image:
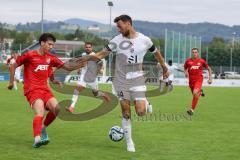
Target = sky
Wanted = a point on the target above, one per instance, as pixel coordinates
(181, 11)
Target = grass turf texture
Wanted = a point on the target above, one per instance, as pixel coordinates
(213, 132)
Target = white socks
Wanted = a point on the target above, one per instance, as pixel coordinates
(127, 128)
(148, 106)
(37, 139)
(15, 85)
(74, 98)
(100, 94)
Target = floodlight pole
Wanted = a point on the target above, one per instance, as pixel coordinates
(42, 17)
(110, 4)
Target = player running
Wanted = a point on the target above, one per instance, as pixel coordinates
(193, 69)
(129, 84)
(17, 76)
(87, 78)
(36, 72)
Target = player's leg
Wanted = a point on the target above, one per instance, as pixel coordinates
(38, 108)
(140, 106)
(126, 124)
(196, 92)
(53, 107)
(76, 91)
(98, 93)
(148, 106)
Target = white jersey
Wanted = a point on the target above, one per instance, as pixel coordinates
(90, 65)
(18, 69)
(89, 74)
(129, 58)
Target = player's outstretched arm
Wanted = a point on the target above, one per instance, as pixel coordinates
(98, 56)
(160, 59)
(209, 75)
(11, 76)
(74, 64)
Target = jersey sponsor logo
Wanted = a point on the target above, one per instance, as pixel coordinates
(194, 67)
(41, 68)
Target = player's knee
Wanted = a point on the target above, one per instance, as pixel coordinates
(141, 113)
(80, 88)
(126, 115)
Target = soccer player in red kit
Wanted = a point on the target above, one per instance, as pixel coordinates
(193, 69)
(36, 73)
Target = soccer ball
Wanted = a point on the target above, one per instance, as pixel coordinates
(116, 133)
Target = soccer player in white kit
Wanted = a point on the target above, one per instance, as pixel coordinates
(17, 76)
(129, 82)
(87, 78)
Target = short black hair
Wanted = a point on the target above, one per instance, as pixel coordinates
(88, 43)
(124, 18)
(45, 37)
(195, 49)
(169, 61)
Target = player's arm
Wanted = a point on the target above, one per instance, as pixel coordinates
(185, 70)
(209, 75)
(73, 64)
(101, 67)
(54, 81)
(98, 56)
(160, 59)
(11, 76)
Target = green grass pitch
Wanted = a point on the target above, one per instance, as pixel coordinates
(212, 133)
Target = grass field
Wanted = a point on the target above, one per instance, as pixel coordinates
(213, 132)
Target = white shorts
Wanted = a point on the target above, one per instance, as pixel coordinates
(17, 75)
(134, 93)
(92, 85)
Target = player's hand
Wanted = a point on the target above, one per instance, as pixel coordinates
(165, 72)
(209, 81)
(57, 83)
(100, 71)
(10, 86)
(186, 74)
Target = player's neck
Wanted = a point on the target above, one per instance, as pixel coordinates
(194, 58)
(132, 34)
(41, 52)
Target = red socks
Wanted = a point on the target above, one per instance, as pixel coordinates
(49, 118)
(37, 125)
(194, 102)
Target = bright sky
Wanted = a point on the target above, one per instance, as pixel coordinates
(181, 11)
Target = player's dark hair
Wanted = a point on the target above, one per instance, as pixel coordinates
(195, 49)
(170, 62)
(88, 43)
(124, 18)
(45, 37)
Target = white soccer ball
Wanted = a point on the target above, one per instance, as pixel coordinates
(116, 133)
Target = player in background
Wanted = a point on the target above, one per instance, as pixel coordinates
(17, 76)
(36, 72)
(129, 83)
(193, 69)
(168, 81)
(87, 78)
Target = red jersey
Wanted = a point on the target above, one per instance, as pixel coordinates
(195, 68)
(36, 69)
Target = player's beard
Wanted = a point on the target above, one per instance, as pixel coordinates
(126, 34)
